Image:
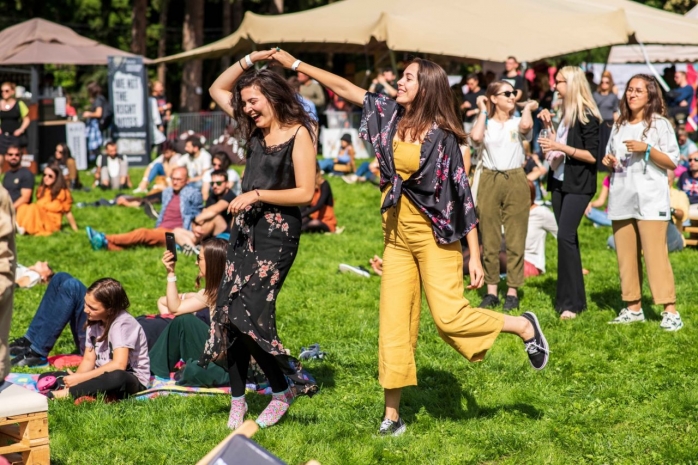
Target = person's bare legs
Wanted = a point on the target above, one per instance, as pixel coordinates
(392, 403)
(184, 237)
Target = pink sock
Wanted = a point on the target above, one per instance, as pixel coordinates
(276, 409)
(238, 409)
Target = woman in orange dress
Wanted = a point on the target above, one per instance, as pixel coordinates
(53, 200)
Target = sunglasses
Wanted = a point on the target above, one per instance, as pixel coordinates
(60, 152)
(6, 91)
(198, 259)
(218, 183)
(693, 159)
(49, 175)
(508, 93)
(559, 82)
(605, 82)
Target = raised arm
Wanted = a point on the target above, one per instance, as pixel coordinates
(222, 88)
(342, 87)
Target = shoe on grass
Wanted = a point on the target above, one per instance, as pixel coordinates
(671, 321)
(490, 301)
(359, 270)
(29, 358)
(627, 316)
(150, 210)
(536, 347)
(511, 302)
(350, 178)
(392, 428)
(97, 239)
(19, 346)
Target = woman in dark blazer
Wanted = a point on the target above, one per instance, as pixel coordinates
(572, 152)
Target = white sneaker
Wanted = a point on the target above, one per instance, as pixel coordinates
(138, 190)
(360, 270)
(350, 178)
(671, 321)
(626, 317)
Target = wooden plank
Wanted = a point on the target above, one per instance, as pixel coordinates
(22, 418)
(37, 456)
(37, 428)
(11, 431)
(18, 447)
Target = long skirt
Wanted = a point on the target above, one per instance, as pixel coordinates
(263, 245)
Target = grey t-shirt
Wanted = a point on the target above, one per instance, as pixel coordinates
(124, 332)
(608, 104)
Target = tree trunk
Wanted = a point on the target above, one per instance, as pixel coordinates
(162, 40)
(138, 26)
(227, 28)
(276, 7)
(192, 37)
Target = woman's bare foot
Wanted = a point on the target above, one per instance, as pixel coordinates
(567, 315)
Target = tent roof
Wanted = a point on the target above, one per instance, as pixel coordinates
(39, 41)
(464, 29)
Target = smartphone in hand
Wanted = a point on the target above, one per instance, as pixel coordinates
(171, 244)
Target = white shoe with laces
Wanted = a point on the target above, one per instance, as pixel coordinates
(671, 321)
(627, 316)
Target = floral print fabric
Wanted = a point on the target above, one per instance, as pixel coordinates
(439, 188)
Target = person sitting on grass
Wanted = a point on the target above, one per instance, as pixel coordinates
(29, 276)
(116, 359)
(593, 212)
(112, 169)
(65, 160)
(541, 222)
(221, 162)
(368, 171)
(197, 159)
(63, 304)
(181, 203)
(18, 180)
(214, 220)
(319, 215)
(688, 182)
(53, 201)
(344, 163)
(185, 337)
(162, 167)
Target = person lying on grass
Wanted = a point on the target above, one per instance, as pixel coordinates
(116, 359)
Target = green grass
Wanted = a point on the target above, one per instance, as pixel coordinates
(610, 394)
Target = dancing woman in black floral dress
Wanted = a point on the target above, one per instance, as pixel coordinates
(279, 176)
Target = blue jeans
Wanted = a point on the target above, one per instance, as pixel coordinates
(674, 239)
(326, 164)
(599, 217)
(156, 170)
(62, 304)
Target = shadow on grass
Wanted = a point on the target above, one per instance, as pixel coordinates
(609, 299)
(547, 286)
(440, 395)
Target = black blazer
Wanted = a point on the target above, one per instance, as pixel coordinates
(580, 177)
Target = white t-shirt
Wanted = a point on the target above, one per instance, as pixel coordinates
(541, 221)
(561, 137)
(113, 167)
(503, 144)
(24, 272)
(198, 166)
(640, 190)
(233, 180)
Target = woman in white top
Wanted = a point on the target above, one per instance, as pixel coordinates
(503, 192)
(641, 149)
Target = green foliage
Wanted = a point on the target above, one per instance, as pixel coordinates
(611, 394)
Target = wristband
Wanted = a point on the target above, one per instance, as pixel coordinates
(295, 65)
(248, 60)
(258, 194)
(172, 279)
(240, 63)
(647, 152)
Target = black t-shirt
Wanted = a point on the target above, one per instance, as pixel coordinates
(380, 89)
(15, 181)
(472, 98)
(228, 197)
(518, 83)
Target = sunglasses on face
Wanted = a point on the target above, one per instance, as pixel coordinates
(605, 82)
(178, 179)
(557, 83)
(198, 259)
(59, 152)
(6, 91)
(693, 159)
(217, 167)
(508, 93)
(218, 183)
(49, 175)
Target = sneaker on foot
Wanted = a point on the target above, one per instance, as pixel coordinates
(536, 347)
(392, 428)
(511, 302)
(360, 270)
(29, 358)
(97, 239)
(490, 301)
(350, 178)
(238, 409)
(150, 211)
(626, 317)
(671, 321)
(19, 346)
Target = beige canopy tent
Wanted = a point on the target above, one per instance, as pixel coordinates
(657, 53)
(38, 41)
(476, 29)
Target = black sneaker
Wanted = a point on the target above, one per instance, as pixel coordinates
(511, 302)
(392, 428)
(490, 301)
(150, 210)
(536, 347)
(19, 346)
(30, 359)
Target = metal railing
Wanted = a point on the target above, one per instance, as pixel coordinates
(211, 125)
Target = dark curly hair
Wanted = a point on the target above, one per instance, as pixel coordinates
(655, 103)
(284, 101)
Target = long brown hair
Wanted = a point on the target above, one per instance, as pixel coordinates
(112, 296)
(59, 182)
(493, 89)
(215, 253)
(284, 102)
(654, 106)
(432, 104)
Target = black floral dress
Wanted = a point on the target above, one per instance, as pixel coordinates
(263, 245)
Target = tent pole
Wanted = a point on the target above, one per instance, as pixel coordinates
(393, 62)
(34, 83)
(608, 56)
(661, 81)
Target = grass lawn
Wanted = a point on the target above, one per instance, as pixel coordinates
(610, 394)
